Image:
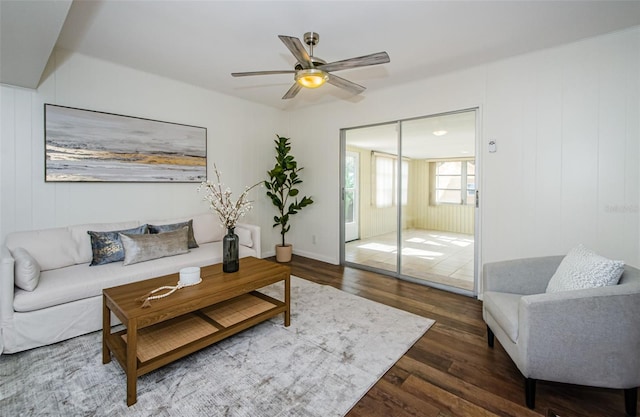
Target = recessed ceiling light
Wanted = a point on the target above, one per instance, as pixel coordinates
(440, 132)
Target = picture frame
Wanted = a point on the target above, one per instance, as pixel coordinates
(93, 146)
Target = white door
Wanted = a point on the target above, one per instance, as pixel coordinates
(351, 198)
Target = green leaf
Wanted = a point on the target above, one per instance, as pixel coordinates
(276, 200)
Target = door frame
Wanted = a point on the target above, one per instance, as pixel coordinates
(477, 286)
(354, 233)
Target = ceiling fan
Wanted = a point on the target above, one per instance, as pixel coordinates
(312, 72)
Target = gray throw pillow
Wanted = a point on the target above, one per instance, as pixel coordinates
(175, 226)
(26, 270)
(583, 268)
(140, 248)
(106, 246)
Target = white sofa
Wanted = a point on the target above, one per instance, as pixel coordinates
(67, 300)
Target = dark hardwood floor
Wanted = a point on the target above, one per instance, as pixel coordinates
(450, 371)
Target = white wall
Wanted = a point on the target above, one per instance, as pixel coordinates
(567, 125)
(239, 134)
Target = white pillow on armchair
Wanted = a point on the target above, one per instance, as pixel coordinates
(583, 268)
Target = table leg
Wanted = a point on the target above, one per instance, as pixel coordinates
(106, 330)
(287, 301)
(132, 362)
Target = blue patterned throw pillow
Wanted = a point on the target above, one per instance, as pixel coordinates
(107, 247)
(155, 229)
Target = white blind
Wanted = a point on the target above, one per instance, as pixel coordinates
(386, 180)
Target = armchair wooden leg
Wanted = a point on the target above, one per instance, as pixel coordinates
(490, 337)
(530, 392)
(631, 401)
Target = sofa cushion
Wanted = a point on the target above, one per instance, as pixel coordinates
(82, 239)
(155, 229)
(52, 248)
(207, 228)
(26, 270)
(76, 282)
(140, 248)
(583, 268)
(503, 307)
(107, 246)
(244, 237)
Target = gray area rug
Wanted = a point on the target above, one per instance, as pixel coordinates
(337, 347)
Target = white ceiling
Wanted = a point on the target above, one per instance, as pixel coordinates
(202, 42)
(28, 33)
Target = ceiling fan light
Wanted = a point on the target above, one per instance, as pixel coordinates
(311, 78)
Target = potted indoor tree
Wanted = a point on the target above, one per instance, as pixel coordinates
(281, 187)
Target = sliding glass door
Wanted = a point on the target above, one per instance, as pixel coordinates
(409, 190)
(376, 150)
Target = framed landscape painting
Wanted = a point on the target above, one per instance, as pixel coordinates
(90, 146)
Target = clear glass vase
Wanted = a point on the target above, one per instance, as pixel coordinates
(230, 251)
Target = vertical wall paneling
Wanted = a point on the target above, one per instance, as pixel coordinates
(632, 147)
(23, 151)
(527, 192)
(632, 162)
(543, 233)
(580, 162)
(503, 170)
(7, 158)
(612, 141)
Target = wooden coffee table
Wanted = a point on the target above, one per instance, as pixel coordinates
(191, 318)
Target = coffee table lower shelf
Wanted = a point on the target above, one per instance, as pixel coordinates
(164, 342)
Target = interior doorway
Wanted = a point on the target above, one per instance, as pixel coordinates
(409, 199)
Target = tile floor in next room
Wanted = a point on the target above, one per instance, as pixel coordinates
(436, 256)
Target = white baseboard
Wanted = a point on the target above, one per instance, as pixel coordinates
(316, 257)
(311, 255)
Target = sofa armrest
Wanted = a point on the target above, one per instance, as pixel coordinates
(587, 337)
(255, 236)
(520, 276)
(6, 289)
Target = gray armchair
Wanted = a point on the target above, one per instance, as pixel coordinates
(584, 337)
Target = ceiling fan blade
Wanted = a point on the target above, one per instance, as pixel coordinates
(298, 51)
(361, 61)
(295, 88)
(345, 84)
(246, 74)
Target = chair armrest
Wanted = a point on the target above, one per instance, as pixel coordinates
(6, 284)
(587, 337)
(520, 276)
(255, 236)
